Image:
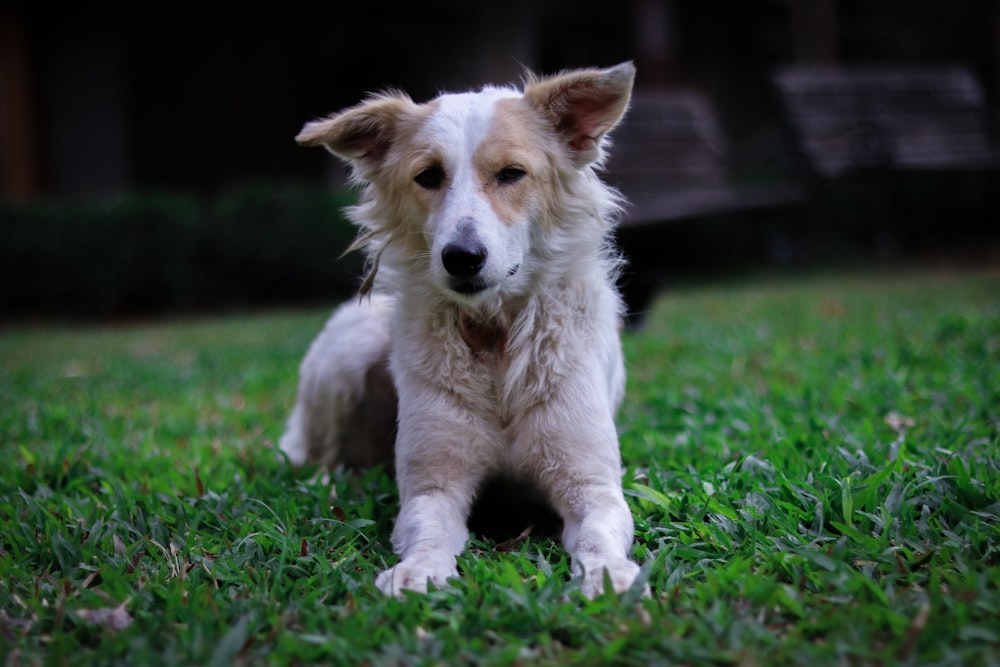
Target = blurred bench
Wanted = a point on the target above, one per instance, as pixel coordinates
(670, 160)
(846, 119)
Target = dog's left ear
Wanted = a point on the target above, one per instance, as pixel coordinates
(583, 106)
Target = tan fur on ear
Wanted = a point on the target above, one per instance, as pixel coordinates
(583, 105)
(362, 134)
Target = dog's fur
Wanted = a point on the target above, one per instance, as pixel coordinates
(493, 310)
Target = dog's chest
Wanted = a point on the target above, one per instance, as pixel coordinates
(481, 369)
(504, 368)
(500, 367)
(487, 340)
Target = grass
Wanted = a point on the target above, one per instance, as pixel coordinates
(814, 469)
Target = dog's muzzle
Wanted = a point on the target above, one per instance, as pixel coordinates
(463, 259)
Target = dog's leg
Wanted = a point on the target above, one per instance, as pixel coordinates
(598, 534)
(439, 463)
(578, 466)
(430, 532)
(346, 404)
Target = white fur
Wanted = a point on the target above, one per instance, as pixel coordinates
(522, 377)
(459, 126)
(332, 380)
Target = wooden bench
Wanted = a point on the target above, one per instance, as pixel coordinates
(845, 119)
(670, 160)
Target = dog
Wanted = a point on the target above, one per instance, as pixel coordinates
(488, 346)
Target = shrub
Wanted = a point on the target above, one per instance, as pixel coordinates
(150, 253)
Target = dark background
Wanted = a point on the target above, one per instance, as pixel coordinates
(199, 96)
(104, 103)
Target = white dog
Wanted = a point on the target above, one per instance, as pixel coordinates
(494, 313)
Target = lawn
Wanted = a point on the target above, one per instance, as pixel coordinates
(814, 468)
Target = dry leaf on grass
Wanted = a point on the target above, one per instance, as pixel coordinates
(112, 618)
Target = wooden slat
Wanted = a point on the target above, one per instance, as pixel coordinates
(928, 118)
(669, 160)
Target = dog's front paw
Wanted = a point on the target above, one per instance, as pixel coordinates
(621, 574)
(414, 574)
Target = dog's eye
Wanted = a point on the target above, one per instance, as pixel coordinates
(510, 175)
(430, 178)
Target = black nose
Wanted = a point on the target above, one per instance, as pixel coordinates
(464, 259)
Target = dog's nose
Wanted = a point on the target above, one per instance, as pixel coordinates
(465, 258)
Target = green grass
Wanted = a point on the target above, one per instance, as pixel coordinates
(814, 468)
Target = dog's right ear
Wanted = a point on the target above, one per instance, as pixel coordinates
(583, 106)
(362, 134)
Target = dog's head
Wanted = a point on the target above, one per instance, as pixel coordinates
(462, 188)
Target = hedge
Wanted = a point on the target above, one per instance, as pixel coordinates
(155, 253)
(152, 253)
